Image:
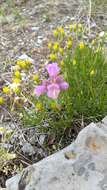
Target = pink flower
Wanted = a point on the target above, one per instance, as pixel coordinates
(53, 91)
(54, 84)
(53, 69)
(39, 90)
(64, 86)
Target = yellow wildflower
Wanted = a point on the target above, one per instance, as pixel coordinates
(39, 106)
(74, 62)
(53, 57)
(28, 62)
(17, 74)
(61, 50)
(3, 130)
(61, 31)
(62, 63)
(36, 77)
(49, 45)
(56, 46)
(69, 44)
(93, 42)
(56, 33)
(1, 101)
(16, 80)
(6, 90)
(75, 27)
(92, 72)
(80, 26)
(82, 45)
(21, 63)
(16, 90)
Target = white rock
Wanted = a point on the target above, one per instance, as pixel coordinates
(105, 120)
(25, 57)
(80, 166)
(101, 34)
(35, 28)
(42, 139)
(28, 149)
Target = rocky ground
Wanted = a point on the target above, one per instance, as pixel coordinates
(25, 27)
(82, 165)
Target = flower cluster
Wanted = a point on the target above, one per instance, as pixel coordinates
(13, 88)
(54, 84)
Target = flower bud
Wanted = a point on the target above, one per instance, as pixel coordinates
(56, 46)
(1, 101)
(92, 72)
(56, 33)
(18, 74)
(74, 62)
(6, 90)
(53, 57)
(82, 45)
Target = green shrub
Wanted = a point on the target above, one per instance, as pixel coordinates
(81, 62)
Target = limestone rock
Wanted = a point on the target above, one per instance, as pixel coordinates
(80, 166)
(28, 149)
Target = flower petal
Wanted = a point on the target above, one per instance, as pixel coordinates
(59, 79)
(64, 86)
(53, 91)
(53, 69)
(39, 90)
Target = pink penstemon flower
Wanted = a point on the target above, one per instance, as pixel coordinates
(54, 84)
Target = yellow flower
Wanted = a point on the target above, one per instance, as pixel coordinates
(50, 45)
(21, 63)
(74, 62)
(28, 62)
(1, 101)
(3, 130)
(61, 50)
(93, 42)
(75, 27)
(53, 57)
(56, 33)
(82, 45)
(16, 80)
(61, 31)
(69, 44)
(16, 90)
(24, 64)
(39, 106)
(17, 74)
(6, 90)
(92, 72)
(62, 63)
(80, 26)
(56, 46)
(36, 77)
